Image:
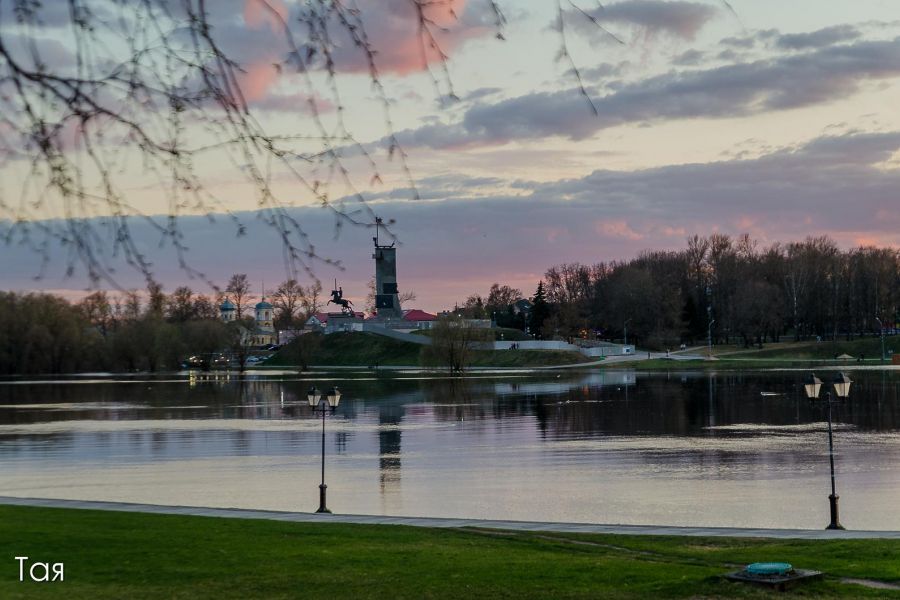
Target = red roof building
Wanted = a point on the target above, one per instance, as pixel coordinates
(418, 315)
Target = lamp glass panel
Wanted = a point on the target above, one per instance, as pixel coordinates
(842, 385)
(812, 389)
(334, 397)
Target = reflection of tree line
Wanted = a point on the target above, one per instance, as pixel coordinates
(654, 406)
(675, 407)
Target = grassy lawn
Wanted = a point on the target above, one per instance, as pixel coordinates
(498, 333)
(870, 347)
(731, 363)
(368, 349)
(128, 555)
(527, 358)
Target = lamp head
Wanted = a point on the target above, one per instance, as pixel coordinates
(334, 397)
(842, 385)
(312, 396)
(812, 385)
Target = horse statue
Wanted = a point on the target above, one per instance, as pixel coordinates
(337, 297)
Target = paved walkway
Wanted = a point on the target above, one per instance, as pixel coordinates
(299, 517)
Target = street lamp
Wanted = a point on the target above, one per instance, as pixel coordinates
(881, 327)
(324, 403)
(812, 385)
(625, 327)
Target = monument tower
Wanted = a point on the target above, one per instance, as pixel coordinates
(387, 299)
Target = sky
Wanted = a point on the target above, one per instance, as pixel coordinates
(776, 119)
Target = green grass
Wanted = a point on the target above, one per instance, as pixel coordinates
(729, 363)
(527, 358)
(870, 347)
(359, 349)
(368, 349)
(130, 555)
(499, 333)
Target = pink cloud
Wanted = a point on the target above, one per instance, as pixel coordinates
(294, 103)
(393, 31)
(272, 13)
(256, 80)
(617, 229)
(391, 27)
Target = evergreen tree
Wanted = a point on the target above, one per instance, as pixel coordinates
(540, 310)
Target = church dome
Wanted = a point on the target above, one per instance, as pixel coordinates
(263, 305)
(227, 305)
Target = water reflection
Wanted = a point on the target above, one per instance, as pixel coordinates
(730, 448)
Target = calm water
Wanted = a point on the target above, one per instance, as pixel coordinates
(727, 449)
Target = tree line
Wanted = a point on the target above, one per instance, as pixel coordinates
(137, 331)
(730, 289)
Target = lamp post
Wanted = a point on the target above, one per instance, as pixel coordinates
(812, 385)
(709, 338)
(324, 403)
(881, 327)
(625, 327)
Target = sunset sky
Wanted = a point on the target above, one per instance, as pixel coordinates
(778, 119)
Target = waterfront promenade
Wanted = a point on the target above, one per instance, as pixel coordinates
(303, 517)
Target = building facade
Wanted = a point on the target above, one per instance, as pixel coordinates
(263, 331)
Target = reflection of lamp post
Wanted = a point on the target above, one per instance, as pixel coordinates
(842, 390)
(324, 403)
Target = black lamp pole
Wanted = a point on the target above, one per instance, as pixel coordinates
(323, 487)
(324, 403)
(812, 384)
(833, 498)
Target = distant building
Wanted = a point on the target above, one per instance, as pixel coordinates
(522, 307)
(227, 311)
(332, 322)
(316, 322)
(419, 319)
(265, 325)
(387, 297)
(263, 333)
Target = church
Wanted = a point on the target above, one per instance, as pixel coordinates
(264, 332)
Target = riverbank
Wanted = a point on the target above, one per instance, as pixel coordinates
(741, 364)
(139, 555)
(368, 350)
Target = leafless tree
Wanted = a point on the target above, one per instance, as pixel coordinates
(453, 341)
(88, 88)
(404, 297)
(92, 91)
(287, 299)
(238, 289)
(311, 302)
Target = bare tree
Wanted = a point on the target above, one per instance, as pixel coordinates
(301, 350)
(404, 297)
(98, 310)
(287, 299)
(156, 301)
(453, 340)
(180, 306)
(161, 84)
(311, 302)
(239, 290)
(155, 82)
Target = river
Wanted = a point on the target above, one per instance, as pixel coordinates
(742, 449)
